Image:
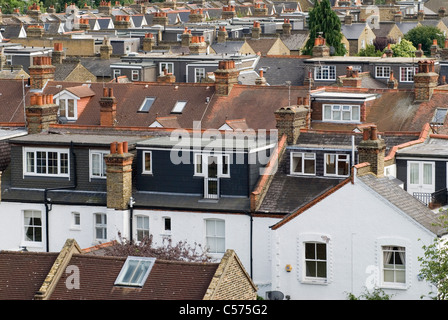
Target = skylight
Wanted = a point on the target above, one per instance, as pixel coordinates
(179, 107)
(439, 116)
(146, 105)
(135, 271)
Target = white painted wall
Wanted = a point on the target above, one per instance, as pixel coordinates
(356, 223)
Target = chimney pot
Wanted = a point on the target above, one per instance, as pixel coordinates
(113, 147)
(120, 147)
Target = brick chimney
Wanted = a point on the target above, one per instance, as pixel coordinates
(222, 34)
(41, 72)
(320, 48)
(348, 19)
(260, 9)
(148, 42)
(389, 52)
(419, 52)
(84, 24)
(160, 18)
(105, 49)
(398, 17)
(352, 78)
(434, 48)
(58, 54)
(166, 77)
(392, 83)
(444, 51)
(372, 149)
(425, 80)
(442, 12)
(256, 30)
(105, 8)
(34, 12)
(228, 12)
(420, 15)
(225, 77)
(196, 16)
(119, 176)
(35, 31)
(41, 112)
(122, 22)
(198, 45)
(290, 119)
(108, 108)
(261, 80)
(287, 27)
(186, 38)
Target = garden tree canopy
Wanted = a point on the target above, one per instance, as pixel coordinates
(425, 35)
(322, 19)
(403, 49)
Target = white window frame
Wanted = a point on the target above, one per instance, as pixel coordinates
(34, 214)
(337, 160)
(213, 235)
(124, 271)
(116, 73)
(320, 71)
(355, 116)
(75, 215)
(165, 230)
(144, 171)
(145, 101)
(163, 65)
(100, 225)
(135, 75)
(303, 156)
(394, 284)
(382, 72)
(199, 73)
(203, 158)
(34, 172)
(139, 228)
(408, 75)
(102, 164)
(315, 260)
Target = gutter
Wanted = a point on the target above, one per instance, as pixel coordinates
(47, 201)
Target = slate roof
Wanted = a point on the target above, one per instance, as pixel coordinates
(353, 31)
(279, 69)
(393, 193)
(168, 280)
(22, 273)
(230, 47)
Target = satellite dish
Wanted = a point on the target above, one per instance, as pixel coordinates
(275, 295)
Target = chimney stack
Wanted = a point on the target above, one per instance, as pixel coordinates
(58, 54)
(105, 8)
(160, 18)
(372, 149)
(228, 12)
(122, 22)
(352, 78)
(41, 72)
(256, 30)
(35, 31)
(222, 34)
(434, 48)
(41, 112)
(320, 48)
(196, 16)
(425, 80)
(261, 80)
(225, 77)
(198, 45)
(108, 108)
(166, 77)
(105, 49)
(119, 176)
(419, 53)
(148, 42)
(290, 119)
(186, 38)
(287, 27)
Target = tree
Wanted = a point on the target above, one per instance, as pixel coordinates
(180, 251)
(424, 35)
(403, 49)
(434, 263)
(323, 20)
(375, 294)
(369, 51)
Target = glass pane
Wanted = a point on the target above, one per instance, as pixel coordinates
(355, 113)
(131, 267)
(71, 108)
(96, 158)
(327, 112)
(321, 269)
(220, 245)
(342, 167)
(297, 163)
(388, 276)
(310, 267)
(64, 163)
(427, 173)
(330, 164)
(198, 163)
(225, 165)
(310, 252)
(400, 276)
(309, 166)
(212, 167)
(220, 228)
(30, 161)
(167, 224)
(62, 108)
(336, 115)
(147, 161)
(41, 159)
(414, 173)
(52, 162)
(321, 250)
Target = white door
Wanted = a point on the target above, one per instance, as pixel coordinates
(211, 183)
(421, 177)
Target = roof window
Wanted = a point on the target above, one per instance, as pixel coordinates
(439, 116)
(179, 107)
(135, 271)
(146, 105)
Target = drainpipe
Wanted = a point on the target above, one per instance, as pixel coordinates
(131, 216)
(47, 201)
(251, 243)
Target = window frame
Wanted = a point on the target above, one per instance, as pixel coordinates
(145, 101)
(103, 174)
(337, 155)
(34, 151)
(197, 78)
(405, 77)
(294, 154)
(145, 231)
(333, 109)
(144, 171)
(316, 261)
(393, 284)
(382, 75)
(204, 163)
(40, 227)
(135, 75)
(73, 224)
(319, 72)
(163, 65)
(119, 280)
(214, 236)
(102, 225)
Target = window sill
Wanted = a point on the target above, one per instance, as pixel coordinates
(322, 282)
(393, 286)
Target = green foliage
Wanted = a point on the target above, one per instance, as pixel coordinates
(369, 51)
(424, 35)
(434, 263)
(323, 19)
(403, 49)
(376, 294)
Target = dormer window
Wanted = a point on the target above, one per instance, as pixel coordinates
(135, 271)
(337, 112)
(303, 163)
